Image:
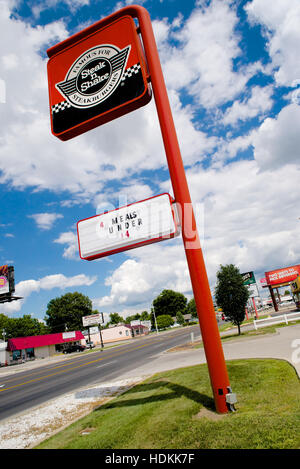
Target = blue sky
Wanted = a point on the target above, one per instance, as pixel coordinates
(232, 70)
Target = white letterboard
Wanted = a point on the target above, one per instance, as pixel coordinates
(127, 227)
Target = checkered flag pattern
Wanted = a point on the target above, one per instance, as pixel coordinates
(60, 106)
(130, 71)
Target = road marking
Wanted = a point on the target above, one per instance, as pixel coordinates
(105, 364)
(69, 369)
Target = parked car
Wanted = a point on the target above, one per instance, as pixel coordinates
(74, 348)
(90, 344)
(225, 318)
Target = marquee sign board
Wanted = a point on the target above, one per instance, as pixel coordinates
(134, 225)
(95, 76)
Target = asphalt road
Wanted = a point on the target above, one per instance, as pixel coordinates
(25, 389)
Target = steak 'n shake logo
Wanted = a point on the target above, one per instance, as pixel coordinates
(94, 76)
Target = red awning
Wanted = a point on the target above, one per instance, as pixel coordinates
(21, 343)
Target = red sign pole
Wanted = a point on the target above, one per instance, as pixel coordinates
(255, 309)
(205, 309)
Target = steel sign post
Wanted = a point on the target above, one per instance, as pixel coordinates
(203, 299)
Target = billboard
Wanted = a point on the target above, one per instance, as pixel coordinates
(95, 76)
(7, 280)
(128, 227)
(93, 319)
(282, 276)
(248, 278)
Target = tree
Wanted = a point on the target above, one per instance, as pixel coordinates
(191, 308)
(66, 312)
(169, 302)
(133, 317)
(21, 327)
(164, 321)
(231, 294)
(4, 320)
(115, 318)
(145, 316)
(179, 318)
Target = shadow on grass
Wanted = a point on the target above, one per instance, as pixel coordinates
(164, 391)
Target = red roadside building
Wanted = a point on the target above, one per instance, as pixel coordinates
(40, 346)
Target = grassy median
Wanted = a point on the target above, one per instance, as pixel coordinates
(175, 410)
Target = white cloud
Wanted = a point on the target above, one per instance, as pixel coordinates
(202, 64)
(277, 141)
(45, 221)
(70, 239)
(255, 105)
(43, 5)
(26, 287)
(153, 268)
(280, 20)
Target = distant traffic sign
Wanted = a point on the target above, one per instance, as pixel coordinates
(134, 225)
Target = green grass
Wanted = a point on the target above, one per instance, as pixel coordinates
(161, 412)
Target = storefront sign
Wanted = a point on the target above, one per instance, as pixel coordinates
(136, 322)
(134, 225)
(146, 324)
(95, 76)
(69, 335)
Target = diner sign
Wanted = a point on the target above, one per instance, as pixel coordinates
(96, 76)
